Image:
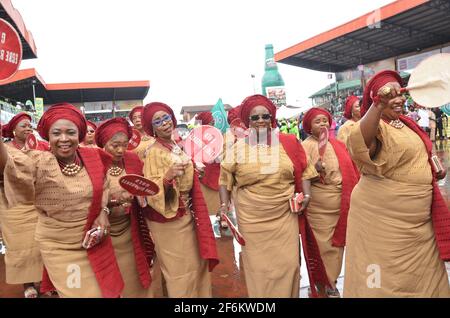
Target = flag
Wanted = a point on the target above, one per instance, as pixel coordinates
(220, 116)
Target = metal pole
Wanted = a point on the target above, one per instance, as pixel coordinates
(254, 87)
(34, 95)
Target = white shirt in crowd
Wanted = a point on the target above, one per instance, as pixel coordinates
(424, 119)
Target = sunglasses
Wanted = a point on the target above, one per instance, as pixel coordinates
(163, 119)
(91, 131)
(263, 116)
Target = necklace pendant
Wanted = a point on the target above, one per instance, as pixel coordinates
(115, 171)
(176, 150)
(398, 124)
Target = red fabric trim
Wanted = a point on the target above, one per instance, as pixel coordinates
(140, 234)
(102, 257)
(43, 146)
(439, 211)
(350, 177)
(316, 270)
(211, 176)
(46, 283)
(203, 228)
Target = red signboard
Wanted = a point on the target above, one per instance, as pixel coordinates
(135, 140)
(10, 50)
(138, 185)
(31, 142)
(204, 144)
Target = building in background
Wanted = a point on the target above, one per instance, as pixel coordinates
(8, 13)
(188, 112)
(99, 101)
(397, 36)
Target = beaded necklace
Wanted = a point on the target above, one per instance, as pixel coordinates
(71, 169)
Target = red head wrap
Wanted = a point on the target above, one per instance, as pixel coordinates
(62, 111)
(233, 114)
(7, 130)
(349, 106)
(257, 100)
(206, 118)
(91, 124)
(311, 114)
(137, 109)
(376, 82)
(149, 112)
(110, 128)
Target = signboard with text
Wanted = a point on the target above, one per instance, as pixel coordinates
(277, 95)
(10, 50)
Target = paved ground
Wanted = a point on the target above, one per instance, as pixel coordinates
(228, 277)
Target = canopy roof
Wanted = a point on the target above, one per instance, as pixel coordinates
(401, 27)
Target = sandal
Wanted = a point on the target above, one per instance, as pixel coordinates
(31, 292)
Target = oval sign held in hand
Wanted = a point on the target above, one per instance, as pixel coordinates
(204, 144)
(31, 142)
(239, 129)
(138, 185)
(135, 140)
(429, 84)
(10, 50)
(323, 141)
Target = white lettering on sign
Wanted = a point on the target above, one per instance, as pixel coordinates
(2, 55)
(3, 38)
(12, 57)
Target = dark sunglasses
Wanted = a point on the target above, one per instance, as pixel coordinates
(91, 131)
(263, 116)
(163, 119)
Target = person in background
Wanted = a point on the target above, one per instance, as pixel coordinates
(89, 140)
(439, 124)
(23, 262)
(398, 228)
(413, 113)
(210, 177)
(284, 128)
(293, 130)
(352, 114)
(18, 129)
(424, 119)
(146, 140)
(328, 209)
(69, 187)
(432, 127)
(177, 216)
(263, 172)
(129, 233)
